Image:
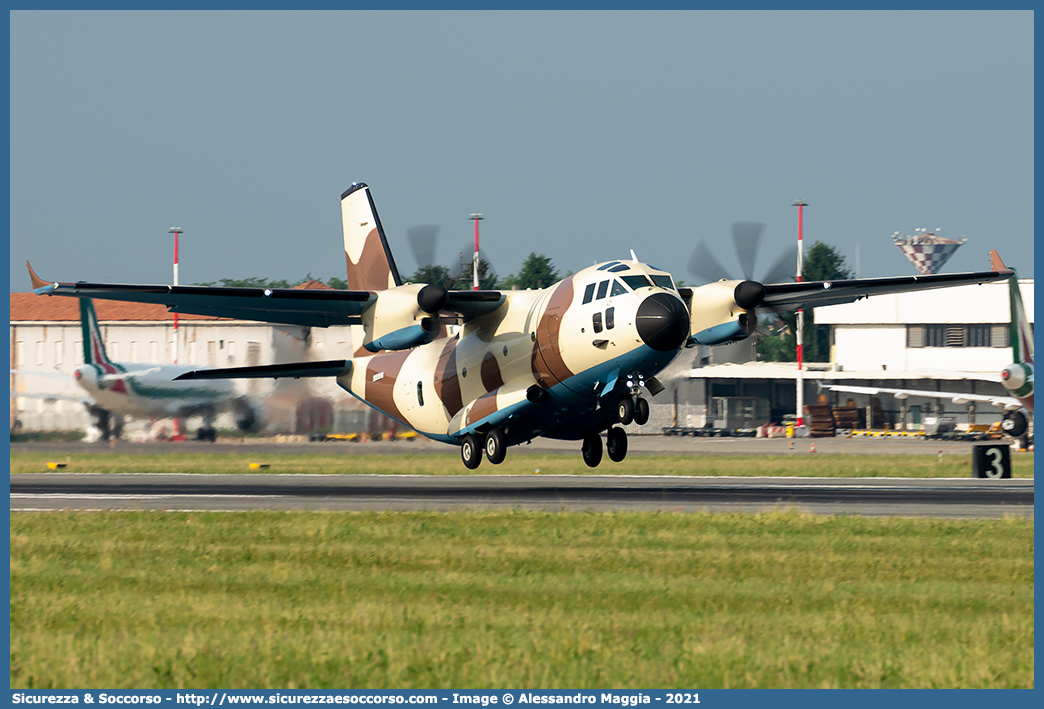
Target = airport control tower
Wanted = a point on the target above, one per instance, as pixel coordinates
(927, 250)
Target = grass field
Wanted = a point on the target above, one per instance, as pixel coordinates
(518, 600)
(445, 461)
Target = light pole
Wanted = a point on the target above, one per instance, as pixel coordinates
(800, 204)
(176, 231)
(475, 259)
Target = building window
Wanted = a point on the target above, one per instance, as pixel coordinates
(253, 354)
(59, 352)
(153, 352)
(971, 335)
(134, 351)
(39, 353)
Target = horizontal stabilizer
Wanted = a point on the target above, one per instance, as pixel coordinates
(296, 370)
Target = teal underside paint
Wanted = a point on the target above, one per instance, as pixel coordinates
(577, 395)
(403, 339)
(719, 334)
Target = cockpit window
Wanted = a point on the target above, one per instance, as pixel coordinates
(589, 293)
(603, 288)
(636, 282)
(608, 265)
(621, 267)
(663, 281)
(618, 289)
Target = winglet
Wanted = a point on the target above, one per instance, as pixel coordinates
(996, 264)
(37, 281)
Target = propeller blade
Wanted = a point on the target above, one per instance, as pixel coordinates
(423, 239)
(784, 268)
(746, 237)
(705, 266)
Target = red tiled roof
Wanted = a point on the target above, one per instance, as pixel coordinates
(29, 307)
(313, 285)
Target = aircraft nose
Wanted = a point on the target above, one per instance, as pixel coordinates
(662, 322)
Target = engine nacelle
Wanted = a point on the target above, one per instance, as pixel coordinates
(397, 321)
(1018, 379)
(724, 311)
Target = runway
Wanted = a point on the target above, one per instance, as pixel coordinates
(945, 497)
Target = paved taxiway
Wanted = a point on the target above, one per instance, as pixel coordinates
(863, 496)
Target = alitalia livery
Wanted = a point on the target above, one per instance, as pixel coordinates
(147, 391)
(569, 361)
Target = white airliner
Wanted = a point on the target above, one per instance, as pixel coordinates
(146, 391)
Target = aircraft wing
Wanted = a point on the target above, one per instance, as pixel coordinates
(1001, 402)
(286, 306)
(319, 308)
(813, 294)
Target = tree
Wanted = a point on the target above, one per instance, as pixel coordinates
(822, 263)
(434, 275)
(537, 272)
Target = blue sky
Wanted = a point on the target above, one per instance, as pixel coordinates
(578, 135)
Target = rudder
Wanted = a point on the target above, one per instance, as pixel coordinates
(93, 345)
(369, 260)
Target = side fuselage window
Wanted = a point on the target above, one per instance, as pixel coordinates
(610, 318)
(420, 393)
(596, 322)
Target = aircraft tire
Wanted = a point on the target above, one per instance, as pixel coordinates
(495, 447)
(470, 452)
(641, 412)
(1015, 425)
(592, 450)
(625, 410)
(616, 444)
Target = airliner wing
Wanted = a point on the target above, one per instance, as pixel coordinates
(1001, 402)
(813, 294)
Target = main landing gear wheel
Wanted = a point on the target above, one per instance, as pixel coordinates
(616, 444)
(1015, 425)
(495, 447)
(641, 412)
(625, 411)
(470, 452)
(592, 450)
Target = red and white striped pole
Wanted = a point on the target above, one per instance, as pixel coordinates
(475, 259)
(176, 231)
(800, 204)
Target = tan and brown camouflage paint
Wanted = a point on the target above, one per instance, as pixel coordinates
(549, 367)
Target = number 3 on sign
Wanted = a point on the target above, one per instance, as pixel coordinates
(995, 456)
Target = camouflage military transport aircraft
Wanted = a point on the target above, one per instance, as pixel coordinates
(569, 361)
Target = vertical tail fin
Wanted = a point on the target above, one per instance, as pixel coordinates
(1021, 334)
(93, 345)
(369, 260)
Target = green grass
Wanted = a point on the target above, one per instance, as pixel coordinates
(446, 461)
(518, 599)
